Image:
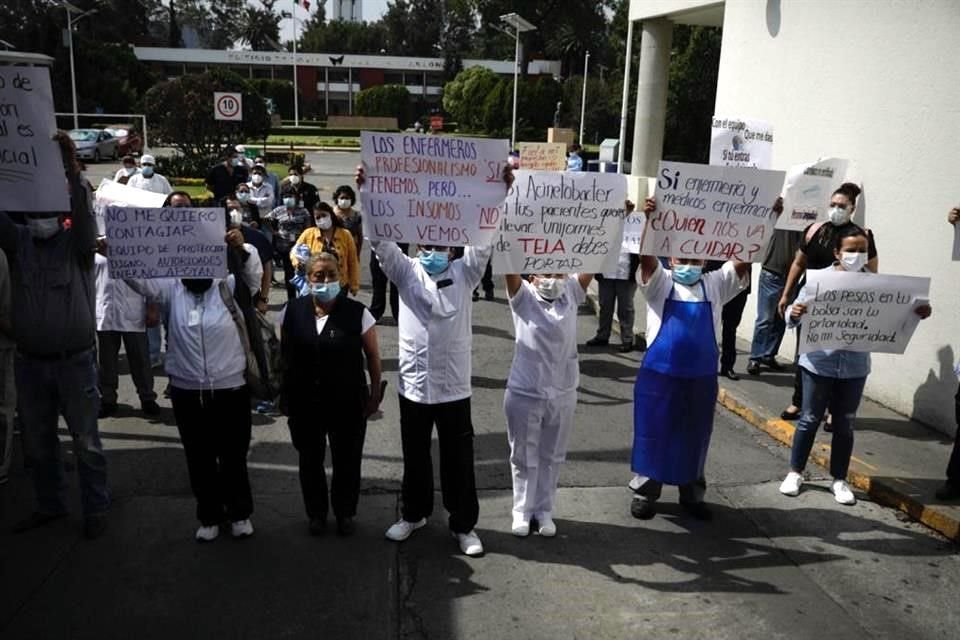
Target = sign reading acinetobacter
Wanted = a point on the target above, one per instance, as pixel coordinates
(559, 222)
(435, 190)
(172, 242)
(860, 311)
(31, 169)
(714, 213)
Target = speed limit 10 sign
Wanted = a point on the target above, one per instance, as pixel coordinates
(227, 106)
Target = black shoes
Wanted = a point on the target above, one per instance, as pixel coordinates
(729, 373)
(37, 520)
(107, 409)
(345, 526)
(698, 510)
(642, 509)
(772, 364)
(949, 491)
(488, 295)
(597, 342)
(753, 368)
(94, 525)
(150, 408)
(318, 526)
(626, 347)
(476, 295)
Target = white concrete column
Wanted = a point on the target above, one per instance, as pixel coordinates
(651, 114)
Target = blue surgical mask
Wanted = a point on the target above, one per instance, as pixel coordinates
(146, 170)
(687, 274)
(325, 291)
(290, 203)
(243, 196)
(434, 262)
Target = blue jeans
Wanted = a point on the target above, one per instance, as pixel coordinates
(768, 331)
(155, 342)
(68, 386)
(842, 397)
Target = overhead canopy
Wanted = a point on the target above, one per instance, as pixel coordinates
(705, 13)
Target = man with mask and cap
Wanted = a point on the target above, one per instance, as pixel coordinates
(148, 179)
(270, 178)
(55, 332)
(223, 177)
(261, 191)
(435, 341)
(127, 171)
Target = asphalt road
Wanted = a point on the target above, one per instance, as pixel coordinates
(766, 567)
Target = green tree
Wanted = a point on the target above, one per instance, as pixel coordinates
(340, 36)
(463, 97)
(261, 26)
(692, 93)
(180, 112)
(388, 101)
(602, 115)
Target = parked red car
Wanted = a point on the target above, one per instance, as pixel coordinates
(130, 140)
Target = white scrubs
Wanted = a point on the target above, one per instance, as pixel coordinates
(541, 393)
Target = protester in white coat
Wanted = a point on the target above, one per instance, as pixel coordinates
(148, 179)
(541, 391)
(121, 317)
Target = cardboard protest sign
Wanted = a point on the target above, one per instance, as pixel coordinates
(807, 190)
(557, 222)
(28, 155)
(432, 189)
(860, 311)
(165, 243)
(638, 190)
(543, 156)
(714, 213)
(738, 142)
(110, 192)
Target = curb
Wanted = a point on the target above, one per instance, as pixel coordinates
(859, 476)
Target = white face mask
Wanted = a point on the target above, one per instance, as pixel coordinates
(548, 288)
(294, 179)
(130, 170)
(43, 228)
(853, 260)
(257, 179)
(324, 223)
(839, 217)
(236, 218)
(344, 203)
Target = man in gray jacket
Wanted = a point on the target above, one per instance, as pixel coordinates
(54, 329)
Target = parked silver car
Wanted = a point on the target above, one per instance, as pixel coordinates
(95, 144)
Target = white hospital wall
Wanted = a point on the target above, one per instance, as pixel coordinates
(877, 81)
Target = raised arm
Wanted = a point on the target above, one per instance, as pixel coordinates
(513, 282)
(648, 264)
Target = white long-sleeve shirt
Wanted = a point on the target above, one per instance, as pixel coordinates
(155, 183)
(261, 196)
(119, 308)
(435, 337)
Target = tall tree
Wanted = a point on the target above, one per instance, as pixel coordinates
(261, 26)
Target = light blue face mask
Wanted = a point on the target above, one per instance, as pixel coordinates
(687, 274)
(325, 291)
(434, 262)
(147, 171)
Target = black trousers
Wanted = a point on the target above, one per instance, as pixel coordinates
(953, 468)
(732, 313)
(457, 482)
(797, 399)
(310, 427)
(215, 430)
(487, 281)
(378, 303)
(288, 273)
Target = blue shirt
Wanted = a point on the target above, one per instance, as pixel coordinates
(574, 162)
(831, 363)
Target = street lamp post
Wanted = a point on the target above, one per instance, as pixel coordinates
(519, 25)
(583, 100)
(296, 88)
(71, 20)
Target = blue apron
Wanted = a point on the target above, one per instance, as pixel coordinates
(675, 394)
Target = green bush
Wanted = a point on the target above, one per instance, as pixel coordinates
(180, 167)
(465, 96)
(388, 101)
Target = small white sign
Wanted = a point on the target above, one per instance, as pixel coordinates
(227, 106)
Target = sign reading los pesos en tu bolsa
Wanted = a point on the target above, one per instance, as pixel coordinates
(543, 156)
(807, 190)
(28, 155)
(714, 213)
(860, 311)
(739, 142)
(561, 222)
(432, 189)
(113, 193)
(166, 243)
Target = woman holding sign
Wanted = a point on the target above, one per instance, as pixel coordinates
(541, 391)
(832, 379)
(676, 387)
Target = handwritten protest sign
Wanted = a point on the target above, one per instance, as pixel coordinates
(860, 311)
(110, 192)
(432, 189)
(165, 243)
(561, 223)
(543, 156)
(28, 155)
(715, 213)
(638, 190)
(807, 190)
(738, 142)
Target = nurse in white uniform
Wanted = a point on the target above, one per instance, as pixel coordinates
(541, 391)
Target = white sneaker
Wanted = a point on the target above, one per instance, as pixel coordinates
(241, 529)
(791, 484)
(207, 534)
(545, 525)
(842, 493)
(521, 525)
(470, 543)
(402, 529)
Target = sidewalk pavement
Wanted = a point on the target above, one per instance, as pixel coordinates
(897, 461)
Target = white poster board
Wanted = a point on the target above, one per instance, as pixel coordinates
(740, 142)
(638, 190)
(714, 213)
(860, 311)
(437, 190)
(29, 158)
(543, 156)
(561, 222)
(170, 242)
(807, 190)
(111, 192)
